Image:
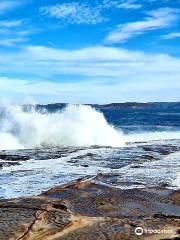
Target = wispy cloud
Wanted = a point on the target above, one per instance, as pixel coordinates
(86, 13)
(101, 62)
(171, 35)
(156, 19)
(10, 42)
(125, 4)
(7, 5)
(96, 74)
(10, 23)
(74, 12)
(13, 32)
(129, 5)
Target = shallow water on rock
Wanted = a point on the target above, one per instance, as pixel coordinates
(30, 172)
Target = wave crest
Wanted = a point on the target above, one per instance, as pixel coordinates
(76, 125)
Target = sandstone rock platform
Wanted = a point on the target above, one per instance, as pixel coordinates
(89, 210)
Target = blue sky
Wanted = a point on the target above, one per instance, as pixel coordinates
(89, 51)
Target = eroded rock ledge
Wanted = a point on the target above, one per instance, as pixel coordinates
(85, 210)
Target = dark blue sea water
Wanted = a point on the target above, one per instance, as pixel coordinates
(144, 119)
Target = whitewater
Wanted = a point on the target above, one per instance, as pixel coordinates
(125, 148)
(76, 125)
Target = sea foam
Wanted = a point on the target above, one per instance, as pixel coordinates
(76, 125)
(152, 136)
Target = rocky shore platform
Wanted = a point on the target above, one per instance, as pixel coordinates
(88, 210)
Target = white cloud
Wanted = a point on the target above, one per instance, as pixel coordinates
(11, 42)
(171, 35)
(74, 12)
(129, 5)
(156, 19)
(96, 74)
(6, 5)
(84, 13)
(13, 32)
(96, 61)
(125, 4)
(88, 91)
(10, 23)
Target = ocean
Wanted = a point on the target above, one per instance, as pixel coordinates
(122, 145)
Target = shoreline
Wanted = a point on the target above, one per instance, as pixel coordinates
(84, 209)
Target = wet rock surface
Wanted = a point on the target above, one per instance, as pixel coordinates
(85, 209)
(28, 172)
(141, 153)
(93, 207)
(11, 159)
